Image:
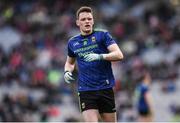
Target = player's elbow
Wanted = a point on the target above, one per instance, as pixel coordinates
(120, 56)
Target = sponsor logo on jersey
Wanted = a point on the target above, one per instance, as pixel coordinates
(85, 41)
(75, 44)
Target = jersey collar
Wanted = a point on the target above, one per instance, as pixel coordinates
(84, 36)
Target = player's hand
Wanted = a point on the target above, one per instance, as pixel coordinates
(93, 57)
(68, 77)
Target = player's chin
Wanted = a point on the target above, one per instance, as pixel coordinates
(88, 29)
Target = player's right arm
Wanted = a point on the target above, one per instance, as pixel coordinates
(69, 68)
(70, 64)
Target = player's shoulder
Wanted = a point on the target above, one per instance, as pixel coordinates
(100, 30)
(75, 37)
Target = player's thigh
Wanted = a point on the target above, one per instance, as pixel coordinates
(144, 119)
(109, 117)
(90, 115)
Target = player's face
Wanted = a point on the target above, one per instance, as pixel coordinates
(85, 22)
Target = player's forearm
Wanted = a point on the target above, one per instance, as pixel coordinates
(148, 98)
(69, 67)
(113, 56)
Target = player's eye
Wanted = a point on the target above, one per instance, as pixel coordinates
(89, 19)
(83, 19)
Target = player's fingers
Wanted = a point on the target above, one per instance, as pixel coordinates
(67, 81)
(69, 76)
(86, 56)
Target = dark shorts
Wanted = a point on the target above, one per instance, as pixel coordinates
(102, 100)
(144, 113)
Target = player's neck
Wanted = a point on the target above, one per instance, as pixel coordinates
(86, 33)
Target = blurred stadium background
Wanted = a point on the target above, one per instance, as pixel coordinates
(33, 37)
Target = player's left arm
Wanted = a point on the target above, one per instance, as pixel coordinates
(114, 54)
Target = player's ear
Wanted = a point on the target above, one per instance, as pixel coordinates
(77, 22)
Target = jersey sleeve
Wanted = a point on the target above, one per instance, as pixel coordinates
(145, 89)
(108, 39)
(70, 51)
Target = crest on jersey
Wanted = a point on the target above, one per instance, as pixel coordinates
(85, 41)
(93, 39)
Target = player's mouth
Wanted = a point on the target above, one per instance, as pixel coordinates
(87, 26)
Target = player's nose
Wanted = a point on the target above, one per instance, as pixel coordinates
(87, 21)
